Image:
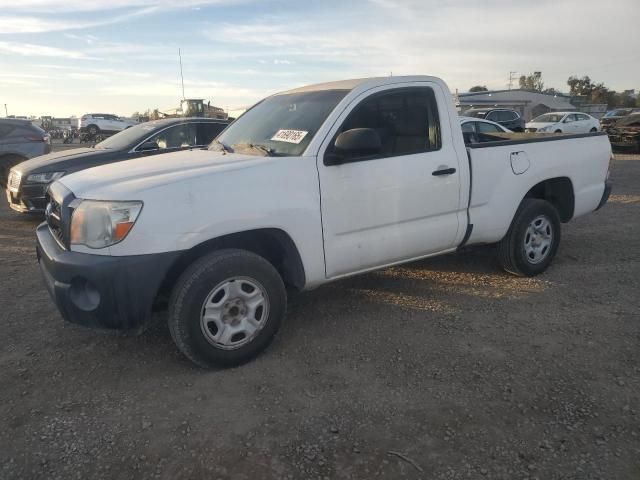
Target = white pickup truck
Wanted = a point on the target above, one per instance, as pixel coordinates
(307, 187)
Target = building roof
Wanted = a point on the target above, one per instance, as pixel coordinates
(516, 97)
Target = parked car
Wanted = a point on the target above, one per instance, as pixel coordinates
(613, 116)
(29, 180)
(506, 117)
(96, 123)
(477, 130)
(563, 122)
(307, 187)
(20, 140)
(625, 133)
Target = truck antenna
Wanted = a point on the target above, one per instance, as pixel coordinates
(181, 75)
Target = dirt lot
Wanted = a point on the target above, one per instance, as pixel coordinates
(458, 367)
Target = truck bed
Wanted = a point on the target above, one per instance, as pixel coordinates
(514, 163)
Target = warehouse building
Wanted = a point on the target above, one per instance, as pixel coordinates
(528, 104)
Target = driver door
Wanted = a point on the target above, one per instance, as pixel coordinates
(400, 203)
(571, 125)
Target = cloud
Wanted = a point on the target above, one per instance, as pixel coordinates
(31, 50)
(462, 41)
(56, 6)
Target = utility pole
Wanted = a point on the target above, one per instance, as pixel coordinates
(6, 112)
(512, 76)
(181, 76)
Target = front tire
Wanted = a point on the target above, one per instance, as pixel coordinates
(93, 130)
(532, 240)
(593, 130)
(226, 308)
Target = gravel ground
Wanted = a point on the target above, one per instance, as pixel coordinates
(441, 369)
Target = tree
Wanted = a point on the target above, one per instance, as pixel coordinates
(479, 88)
(532, 82)
(628, 99)
(580, 86)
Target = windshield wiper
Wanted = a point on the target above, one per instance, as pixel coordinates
(268, 152)
(220, 147)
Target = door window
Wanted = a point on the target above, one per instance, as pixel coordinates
(484, 127)
(206, 132)
(405, 120)
(178, 136)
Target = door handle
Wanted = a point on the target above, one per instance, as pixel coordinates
(445, 171)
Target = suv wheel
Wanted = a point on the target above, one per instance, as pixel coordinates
(532, 240)
(226, 308)
(93, 130)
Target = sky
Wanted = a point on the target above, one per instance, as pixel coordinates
(69, 57)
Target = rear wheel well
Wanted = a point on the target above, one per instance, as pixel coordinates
(272, 244)
(558, 192)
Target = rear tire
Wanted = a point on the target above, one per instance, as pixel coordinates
(558, 131)
(226, 308)
(7, 162)
(532, 240)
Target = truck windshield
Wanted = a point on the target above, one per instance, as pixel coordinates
(548, 118)
(281, 125)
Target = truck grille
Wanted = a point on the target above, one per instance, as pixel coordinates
(14, 180)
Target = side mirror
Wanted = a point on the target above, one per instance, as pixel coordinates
(148, 146)
(357, 142)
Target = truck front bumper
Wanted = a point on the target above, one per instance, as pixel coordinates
(101, 291)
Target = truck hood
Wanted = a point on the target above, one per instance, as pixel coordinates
(122, 180)
(54, 162)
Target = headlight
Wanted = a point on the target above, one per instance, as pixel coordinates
(46, 177)
(99, 224)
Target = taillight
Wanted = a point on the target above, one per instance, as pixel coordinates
(36, 138)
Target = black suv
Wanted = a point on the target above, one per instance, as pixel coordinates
(504, 116)
(28, 181)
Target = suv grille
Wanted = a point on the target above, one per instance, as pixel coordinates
(14, 180)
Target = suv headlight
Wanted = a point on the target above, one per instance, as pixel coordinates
(46, 177)
(99, 224)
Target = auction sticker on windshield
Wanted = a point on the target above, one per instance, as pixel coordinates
(289, 136)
